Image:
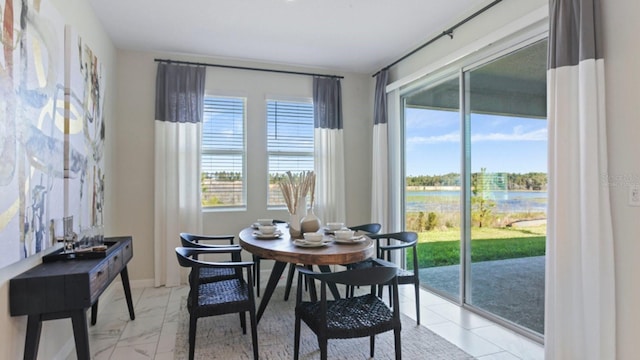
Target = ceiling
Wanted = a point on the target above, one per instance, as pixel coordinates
(359, 36)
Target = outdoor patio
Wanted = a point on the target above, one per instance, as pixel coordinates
(512, 288)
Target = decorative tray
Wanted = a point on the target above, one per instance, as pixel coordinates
(78, 254)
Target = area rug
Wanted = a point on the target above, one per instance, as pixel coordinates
(220, 337)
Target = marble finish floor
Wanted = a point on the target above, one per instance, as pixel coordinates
(152, 334)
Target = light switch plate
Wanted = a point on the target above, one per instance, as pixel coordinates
(634, 195)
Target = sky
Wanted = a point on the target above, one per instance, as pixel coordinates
(498, 143)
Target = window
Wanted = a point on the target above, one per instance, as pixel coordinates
(223, 152)
(289, 142)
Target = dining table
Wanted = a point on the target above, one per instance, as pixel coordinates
(284, 250)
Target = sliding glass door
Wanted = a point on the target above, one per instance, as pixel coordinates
(475, 184)
(432, 193)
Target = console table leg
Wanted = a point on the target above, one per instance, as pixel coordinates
(124, 275)
(81, 334)
(34, 328)
(94, 313)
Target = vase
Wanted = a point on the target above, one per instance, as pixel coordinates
(310, 222)
(294, 219)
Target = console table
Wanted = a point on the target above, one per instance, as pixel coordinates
(66, 289)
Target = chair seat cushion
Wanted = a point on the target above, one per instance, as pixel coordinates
(208, 274)
(349, 318)
(221, 297)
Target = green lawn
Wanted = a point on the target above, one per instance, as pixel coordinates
(439, 248)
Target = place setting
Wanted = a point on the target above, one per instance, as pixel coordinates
(331, 227)
(312, 240)
(347, 237)
(266, 230)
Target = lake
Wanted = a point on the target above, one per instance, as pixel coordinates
(449, 201)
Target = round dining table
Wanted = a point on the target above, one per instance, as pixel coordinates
(283, 250)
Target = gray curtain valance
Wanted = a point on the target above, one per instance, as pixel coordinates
(327, 103)
(380, 98)
(574, 32)
(180, 93)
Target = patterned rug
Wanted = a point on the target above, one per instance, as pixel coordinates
(220, 337)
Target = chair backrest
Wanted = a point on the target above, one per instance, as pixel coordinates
(187, 257)
(372, 228)
(193, 240)
(356, 277)
(395, 241)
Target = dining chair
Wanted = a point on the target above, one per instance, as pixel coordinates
(398, 242)
(353, 317)
(228, 296)
(209, 274)
(371, 228)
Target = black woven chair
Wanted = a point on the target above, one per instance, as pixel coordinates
(209, 274)
(372, 228)
(353, 317)
(397, 242)
(385, 245)
(218, 297)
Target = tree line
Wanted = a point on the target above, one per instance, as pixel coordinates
(527, 181)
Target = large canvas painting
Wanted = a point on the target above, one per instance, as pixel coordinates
(51, 131)
(85, 136)
(31, 127)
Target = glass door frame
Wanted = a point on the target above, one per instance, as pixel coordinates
(462, 69)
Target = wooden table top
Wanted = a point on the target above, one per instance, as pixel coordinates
(283, 249)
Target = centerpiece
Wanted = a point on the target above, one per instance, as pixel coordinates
(294, 191)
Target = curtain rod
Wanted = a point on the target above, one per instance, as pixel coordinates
(448, 32)
(247, 68)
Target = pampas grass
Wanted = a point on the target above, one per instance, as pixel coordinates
(296, 186)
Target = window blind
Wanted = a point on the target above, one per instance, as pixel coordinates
(223, 152)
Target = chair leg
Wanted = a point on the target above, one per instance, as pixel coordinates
(398, 347)
(296, 339)
(243, 322)
(372, 345)
(256, 273)
(192, 336)
(254, 333)
(417, 290)
(323, 348)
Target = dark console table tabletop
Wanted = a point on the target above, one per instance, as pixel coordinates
(66, 289)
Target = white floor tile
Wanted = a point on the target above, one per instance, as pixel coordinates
(516, 344)
(464, 339)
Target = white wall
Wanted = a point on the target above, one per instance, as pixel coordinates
(133, 189)
(622, 75)
(57, 333)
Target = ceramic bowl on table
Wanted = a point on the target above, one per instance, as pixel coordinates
(313, 237)
(267, 229)
(333, 226)
(344, 234)
(265, 222)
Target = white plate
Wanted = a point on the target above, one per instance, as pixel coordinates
(353, 240)
(262, 236)
(303, 243)
(329, 231)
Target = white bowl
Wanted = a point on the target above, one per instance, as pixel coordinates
(313, 237)
(335, 226)
(265, 221)
(267, 229)
(344, 234)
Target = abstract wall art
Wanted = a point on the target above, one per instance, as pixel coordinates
(51, 144)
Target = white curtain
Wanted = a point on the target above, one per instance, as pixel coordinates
(179, 108)
(379, 166)
(329, 149)
(580, 284)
